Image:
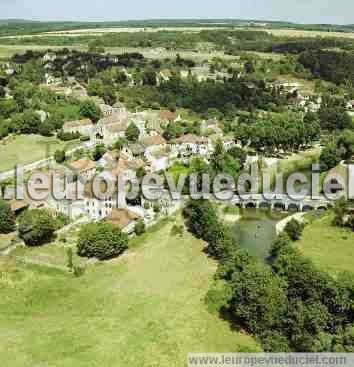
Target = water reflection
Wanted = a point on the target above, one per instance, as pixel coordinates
(257, 229)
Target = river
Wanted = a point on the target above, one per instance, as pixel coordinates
(256, 230)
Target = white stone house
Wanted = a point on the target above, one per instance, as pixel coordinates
(84, 167)
(84, 127)
(49, 56)
(109, 129)
(154, 145)
(190, 144)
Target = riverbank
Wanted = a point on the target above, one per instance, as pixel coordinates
(280, 226)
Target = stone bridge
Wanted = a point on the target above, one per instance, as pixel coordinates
(283, 202)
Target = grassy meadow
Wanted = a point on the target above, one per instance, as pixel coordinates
(331, 248)
(28, 148)
(143, 309)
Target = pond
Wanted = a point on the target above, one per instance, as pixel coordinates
(256, 230)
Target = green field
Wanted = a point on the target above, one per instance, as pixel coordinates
(145, 309)
(7, 51)
(330, 248)
(28, 148)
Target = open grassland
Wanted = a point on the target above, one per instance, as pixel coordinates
(28, 148)
(145, 309)
(331, 248)
(303, 33)
(5, 240)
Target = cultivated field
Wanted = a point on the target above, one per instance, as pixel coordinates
(329, 247)
(28, 148)
(102, 31)
(144, 309)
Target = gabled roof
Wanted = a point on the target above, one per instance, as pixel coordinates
(117, 127)
(167, 115)
(150, 141)
(122, 217)
(83, 164)
(115, 118)
(78, 123)
(192, 139)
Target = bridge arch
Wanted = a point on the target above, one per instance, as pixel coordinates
(251, 205)
(265, 205)
(279, 206)
(307, 208)
(293, 207)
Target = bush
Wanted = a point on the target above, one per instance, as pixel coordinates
(61, 220)
(37, 227)
(101, 240)
(218, 296)
(64, 136)
(60, 156)
(294, 229)
(157, 207)
(7, 218)
(140, 228)
(98, 152)
(279, 243)
(177, 230)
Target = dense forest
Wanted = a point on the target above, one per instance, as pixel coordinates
(336, 67)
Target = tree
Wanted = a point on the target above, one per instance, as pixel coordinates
(249, 67)
(258, 298)
(283, 240)
(149, 78)
(330, 157)
(45, 129)
(56, 121)
(7, 218)
(132, 133)
(101, 240)
(89, 110)
(2, 92)
(140, 172)
(120, 144)
(98, 152)
(30, 122)
(60, 156)
(139, 227)
(294, 229)
(37, 227)
(108, 96)
(346, 143)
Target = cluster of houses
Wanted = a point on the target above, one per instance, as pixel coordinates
(150, 154)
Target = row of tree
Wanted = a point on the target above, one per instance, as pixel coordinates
(288, 304)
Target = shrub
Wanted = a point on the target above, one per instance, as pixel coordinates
(98, 152)
(61, 220)
(218, 296)
(140, 228)
(60, 156)
(279, 243)
(157, 207)
(7, 218)
(294, 229)
(177, 230)
(101, 240)
(37, 227)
